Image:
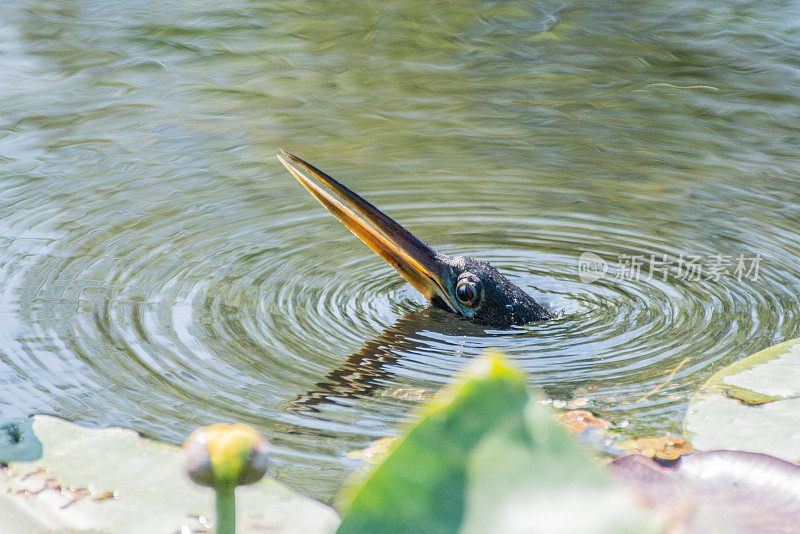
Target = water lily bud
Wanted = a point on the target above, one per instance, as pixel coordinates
(225, 455)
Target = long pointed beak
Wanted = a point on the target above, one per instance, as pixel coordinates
(423, 267)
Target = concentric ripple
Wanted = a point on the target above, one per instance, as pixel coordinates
(160, 270)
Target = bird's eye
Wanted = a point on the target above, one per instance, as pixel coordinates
(466, 292)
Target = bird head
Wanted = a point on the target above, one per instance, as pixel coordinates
(469, 287)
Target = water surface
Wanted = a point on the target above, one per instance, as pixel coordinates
(160, 270)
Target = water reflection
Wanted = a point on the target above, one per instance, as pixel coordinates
(365, 372)
(160, 270)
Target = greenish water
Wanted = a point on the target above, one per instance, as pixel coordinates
(160, 270)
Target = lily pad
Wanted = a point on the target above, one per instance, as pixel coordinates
(486, 457)
(731, 492)
(112, 480)
(752, 405)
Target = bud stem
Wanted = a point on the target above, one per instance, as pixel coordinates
(226, 510)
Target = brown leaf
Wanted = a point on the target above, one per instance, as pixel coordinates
(664, 448)
(579, 420)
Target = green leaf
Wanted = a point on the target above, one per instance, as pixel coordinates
(485, 457)
(113, 480)
(752, 405)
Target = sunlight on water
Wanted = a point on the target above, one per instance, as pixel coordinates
(160, 270)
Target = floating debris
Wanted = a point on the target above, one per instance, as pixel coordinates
(374, 452)
(662, 448)
(578, 421)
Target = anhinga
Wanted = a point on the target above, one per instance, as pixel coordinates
(466, 286)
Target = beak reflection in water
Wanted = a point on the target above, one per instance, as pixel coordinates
(466, 286)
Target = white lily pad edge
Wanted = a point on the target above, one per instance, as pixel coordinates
(752, 405)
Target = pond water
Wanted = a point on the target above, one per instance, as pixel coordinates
(160, 270)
